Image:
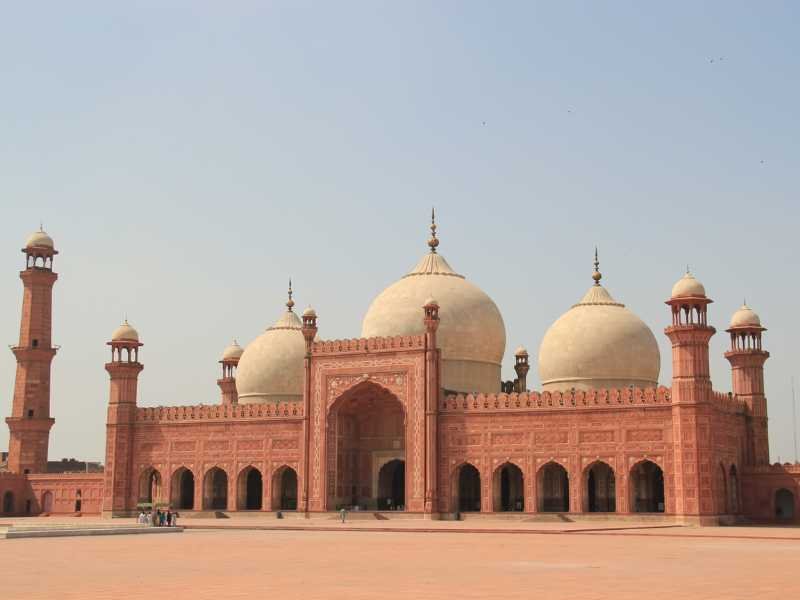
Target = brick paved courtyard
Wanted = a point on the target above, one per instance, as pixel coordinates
(237, 563)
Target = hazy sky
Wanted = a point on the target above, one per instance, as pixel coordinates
(188, 157)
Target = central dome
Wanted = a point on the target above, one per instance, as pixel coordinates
(471, 334)
(598, 343)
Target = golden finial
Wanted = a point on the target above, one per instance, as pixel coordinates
(433, 242)
(597, 276)
(290, 302)
(41, 226)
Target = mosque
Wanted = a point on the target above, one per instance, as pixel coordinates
(412, 418)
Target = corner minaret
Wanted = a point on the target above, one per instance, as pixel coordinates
(227, 383)
(691, 394)
(123, 371)
(747, 359)
(30, 422)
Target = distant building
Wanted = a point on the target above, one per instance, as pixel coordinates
(413, 415)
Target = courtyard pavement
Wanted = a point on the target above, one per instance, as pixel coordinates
(578, 561)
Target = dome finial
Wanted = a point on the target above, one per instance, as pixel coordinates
(433, 242)
(597, 276)
(290, 302)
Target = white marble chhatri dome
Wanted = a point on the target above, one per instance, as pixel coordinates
(598, 343)
(471, 334)
(271, 366)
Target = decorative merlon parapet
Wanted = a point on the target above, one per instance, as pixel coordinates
(613, 398)
(373, 344)
(727, 402)
(218, 412)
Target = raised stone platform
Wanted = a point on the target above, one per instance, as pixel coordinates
(89, 529)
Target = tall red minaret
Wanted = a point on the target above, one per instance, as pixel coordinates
(124, 369)
(690, 334)
(747, 360)
(227, 383)
(30, 422)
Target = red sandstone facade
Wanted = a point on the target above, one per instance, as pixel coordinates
(376, 430)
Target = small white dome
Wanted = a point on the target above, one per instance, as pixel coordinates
(745, 317)
(233, 351)
(309, 312)
(39, 239)
(431, 301)
(688, 287)
(521, 351)
(271, 366)
(125, 333)
(596, 344)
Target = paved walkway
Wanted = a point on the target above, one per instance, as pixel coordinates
(331, 565)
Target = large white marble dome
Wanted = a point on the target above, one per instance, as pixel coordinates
(271, 366)
(471, 334)
(598, 343)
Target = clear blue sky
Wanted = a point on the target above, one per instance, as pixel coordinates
(187, 157)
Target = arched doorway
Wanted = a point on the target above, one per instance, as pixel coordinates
(47, 502)
(250, 488)
(467, 485)
(784, 505)
(182, 489)
(508, 491)
(553, 488)
(647, 487)
(601, 493)
(724, 496)
(215, 490)
(733, 490)
(150, 486)
(284, 489)
(392, 485)
(365, 425)
(8, 503)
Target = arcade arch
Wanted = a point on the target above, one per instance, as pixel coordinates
(182, 489)
(284, 489)
(553, 486)
(600, 492)
(215, 489)
(508, 490)
(249, 489)
(784, 505)
(466, 485)
(150, 485)
(647, 487)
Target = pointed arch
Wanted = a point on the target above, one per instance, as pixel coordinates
(646, 483)
(733, 490)
(150, 485)
(466, 488)
(284, 488)
(182, 488)
(553, 487)
(508, 488)
(215, 489)
(249, 489)
(599, 488)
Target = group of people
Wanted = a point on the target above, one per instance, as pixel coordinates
(159, 518)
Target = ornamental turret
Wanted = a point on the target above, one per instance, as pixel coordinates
(747, 358)
(30, 422)
(227, 383)
(521, 366)
(123, 371)
(690, 334)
